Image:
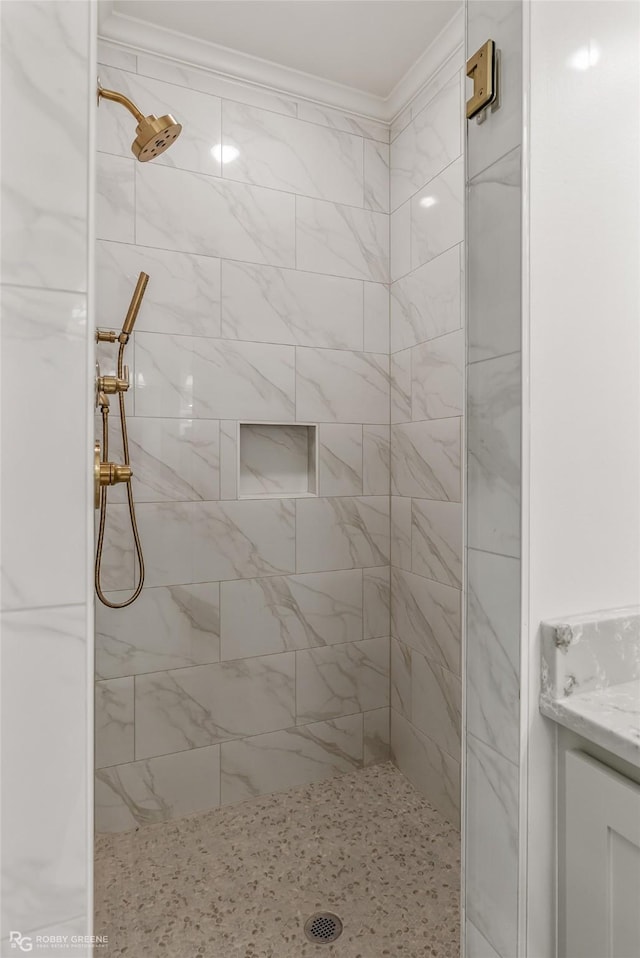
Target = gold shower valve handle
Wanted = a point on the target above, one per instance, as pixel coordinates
(112, 384)
(111, 473)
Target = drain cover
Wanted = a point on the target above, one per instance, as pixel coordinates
(323, 927)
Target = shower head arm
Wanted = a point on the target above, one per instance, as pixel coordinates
(122, 99)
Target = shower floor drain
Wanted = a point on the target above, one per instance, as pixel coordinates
(323, 927)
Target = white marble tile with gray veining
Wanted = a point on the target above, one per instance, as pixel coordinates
(437, 377)
(493, 651)
(427, 144)
(182, 296)
(196, 213)
(376, 459)
(477, 945)
(401, 655)
(208, 704)
(114, 722)
(431, 770)
(284, 613)
(342, 533)
(157, 790)
(427, 616)
(376, 176)
(296, 756)
(376, 317)
(198, 113)
(166, 628)
(376, 730)
(341, 386)
(400, 365)
(437, 215)
(339, 120)
(376, 588)
(492, 845)
(425, 459)
(436, 540)
(115, 193)
(341, 240)
(114, 56)
(193, 377)
(427, 302)
(228, 459)
(342, 679)
(44, 160)
(340, 459)
(495, 254)
(276, 460)
(267, 304)
(288, 154)
(494, 471)
(118, 565)
(400, 240)
(436, 703)
(401, 532)
(213, 84)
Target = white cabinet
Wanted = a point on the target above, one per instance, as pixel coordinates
(601, 861)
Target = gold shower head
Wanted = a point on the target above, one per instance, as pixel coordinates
(154, 134)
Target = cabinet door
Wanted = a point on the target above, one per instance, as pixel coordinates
(602, 856)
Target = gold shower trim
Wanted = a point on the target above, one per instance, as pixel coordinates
(154, 134)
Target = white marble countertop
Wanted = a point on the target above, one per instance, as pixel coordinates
(609, 717)
(591, 678)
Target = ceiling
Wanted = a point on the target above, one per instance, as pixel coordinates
(368, 45)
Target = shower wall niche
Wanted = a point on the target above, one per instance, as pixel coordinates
(277, 460)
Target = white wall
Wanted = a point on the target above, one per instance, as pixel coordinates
(582, 520)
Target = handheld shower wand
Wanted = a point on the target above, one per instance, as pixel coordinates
(114, 473)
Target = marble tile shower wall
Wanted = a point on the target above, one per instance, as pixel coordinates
(427, 376)
(257, 657)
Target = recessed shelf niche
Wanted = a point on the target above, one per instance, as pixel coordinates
(277, 460)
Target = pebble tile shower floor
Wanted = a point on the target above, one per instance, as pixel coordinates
(240, 881)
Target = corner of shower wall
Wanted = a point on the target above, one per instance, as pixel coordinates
(257, 657)
(427, 410)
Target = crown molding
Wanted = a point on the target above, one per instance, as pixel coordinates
(147, 38)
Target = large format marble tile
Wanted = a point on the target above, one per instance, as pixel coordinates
(427, 145)
(276, 460)
(425, 459)
(282, 613)
(115, 198)
(157, 790)
(340, 459)
(194, 213)
(400, 240)
(495, 253)
(44, 763)
(43, 337)
(191, 377)
(477, 944)
(436, 540)
(114, 722)
(172, 459)
(401, 532)
(208, 704)
(493, 651)
(492, 846)
(341, 240)
(426, 615)
(288, 154)
(376, 459)
(182, 295)
(228, 459)
(342, 679)
(427, 302)
(376, 317)
(376, 176)
(493, 472)
(437, 377)
(376, 731)
(436, 703)
(338, 120)
(376, 589)
(341, 386)
(434, 773)
(400, 400)
(502, 21)
(296, 756)
(401, 656)
(267, 304)
(118, 567)
(198, 113)
(165, 628)
(437, 215)
(113, 56)
(44, 190)
(342, 533)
